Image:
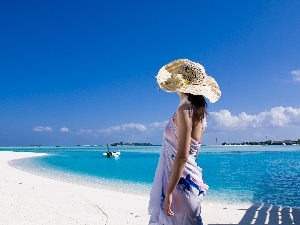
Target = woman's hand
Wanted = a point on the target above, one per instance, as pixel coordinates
(167, 205)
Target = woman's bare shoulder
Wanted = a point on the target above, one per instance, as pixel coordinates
(183, 114)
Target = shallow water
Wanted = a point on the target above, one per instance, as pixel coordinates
(252, 174)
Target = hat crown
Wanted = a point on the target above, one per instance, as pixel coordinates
(192, 73)
(186, 76)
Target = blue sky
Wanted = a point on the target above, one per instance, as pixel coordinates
(83, 72)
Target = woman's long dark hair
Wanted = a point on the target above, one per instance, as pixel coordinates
(199, 107)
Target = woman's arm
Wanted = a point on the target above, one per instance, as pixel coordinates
(184, 124)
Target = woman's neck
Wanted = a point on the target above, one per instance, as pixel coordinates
(182, 95)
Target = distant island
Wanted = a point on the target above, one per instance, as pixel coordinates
(131, 144)
(269, 142)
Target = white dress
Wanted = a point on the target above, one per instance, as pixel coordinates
(189, 192)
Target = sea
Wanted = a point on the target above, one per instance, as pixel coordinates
(235, 174)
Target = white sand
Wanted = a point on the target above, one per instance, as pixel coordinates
(30, 199)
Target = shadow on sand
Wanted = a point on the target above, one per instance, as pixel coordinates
(269, 214)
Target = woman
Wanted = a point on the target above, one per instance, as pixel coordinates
(178, 188)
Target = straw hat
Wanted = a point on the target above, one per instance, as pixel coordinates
(185, 76)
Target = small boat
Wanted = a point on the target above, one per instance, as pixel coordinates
(110, 154)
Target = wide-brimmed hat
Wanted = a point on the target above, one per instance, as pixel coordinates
(185, 76)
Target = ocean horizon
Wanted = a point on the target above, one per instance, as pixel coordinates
(235, 174)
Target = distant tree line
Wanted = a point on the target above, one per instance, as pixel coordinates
(132, 144)
(269, 142)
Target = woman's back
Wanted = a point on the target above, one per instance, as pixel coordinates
(197, 128)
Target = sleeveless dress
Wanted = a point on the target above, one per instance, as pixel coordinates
(189, 192)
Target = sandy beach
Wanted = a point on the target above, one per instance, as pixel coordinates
(26, 198)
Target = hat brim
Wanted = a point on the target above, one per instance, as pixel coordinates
(211, 92)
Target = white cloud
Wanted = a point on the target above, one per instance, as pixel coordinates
(159, 125)
(42, 129)
(276, 117)
(65, 130)
(124, 127)
(296, 75)
(82, 131)
(276, 123)
(88, 133)
(139, 127)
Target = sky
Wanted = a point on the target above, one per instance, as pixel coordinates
(83, 72)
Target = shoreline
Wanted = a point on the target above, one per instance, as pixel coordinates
(31, 199)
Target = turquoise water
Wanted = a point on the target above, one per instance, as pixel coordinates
(252, 174)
